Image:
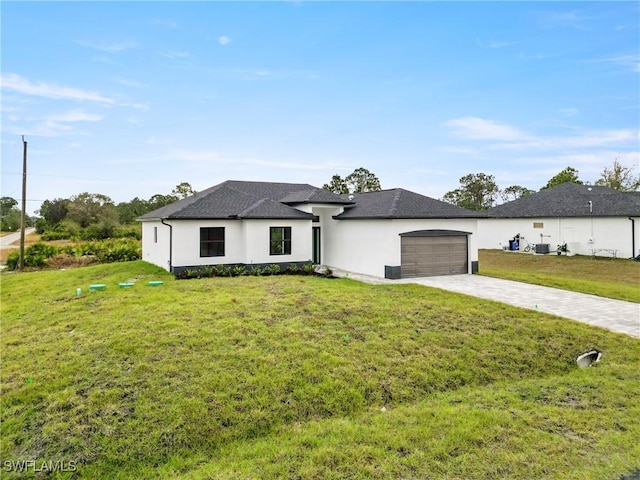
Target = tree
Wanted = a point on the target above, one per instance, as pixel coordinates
(129, 211)
(183, 190)
(159, 200)
(54, 211)
(514, 192)
(477, 192)
(359, 181)
(569, 174)
(87, 208)
(10, 217)
(336, 185)
(619, 177)
(362, 180)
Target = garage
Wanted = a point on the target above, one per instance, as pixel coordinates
(426, 253)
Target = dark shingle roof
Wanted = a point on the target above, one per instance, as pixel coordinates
(400, 203)
(237, 199)
(571, 200)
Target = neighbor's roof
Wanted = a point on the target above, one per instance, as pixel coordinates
(251, 200)
(400, 203)
(571, 200)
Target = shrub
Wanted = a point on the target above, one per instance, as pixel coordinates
(53, 235)
(34, 256)
(293, 269)
(116, 250)
(238, 271)
(256, 271)
(272, 269)
(98, 231)
(309, 269)
(222, 271)
(128, 231)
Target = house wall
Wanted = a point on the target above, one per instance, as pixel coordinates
(246, 242)
(257, 241)
(366, 246)
(155, 252)
(582, 234)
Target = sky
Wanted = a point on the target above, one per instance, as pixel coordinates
(128, 99)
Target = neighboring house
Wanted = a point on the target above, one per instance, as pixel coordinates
(591, 220)
(390, 233)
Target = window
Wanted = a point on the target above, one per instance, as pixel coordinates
(155, 234)
(212, 242)
(280, 241)
(538, 225)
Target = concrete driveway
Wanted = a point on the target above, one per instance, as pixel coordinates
(615, 315)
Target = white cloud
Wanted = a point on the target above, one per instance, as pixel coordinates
(506, 137)
(476, 128)
(568, 112)
(22, 85)
(495, 44)
(223, 40)
(75, 116)
(108, 47)
(176, 54)
(632, 62)
(131, 83)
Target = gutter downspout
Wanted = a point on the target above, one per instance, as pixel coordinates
(633, 237)
(170, 244)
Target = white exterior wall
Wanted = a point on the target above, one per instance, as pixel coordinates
(154, 252)
(581, 235)
(246, 241)
(186, 242)
(257, 241)
(366, 246)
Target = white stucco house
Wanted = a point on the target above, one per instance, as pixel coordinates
(390, 233)
(591, 220)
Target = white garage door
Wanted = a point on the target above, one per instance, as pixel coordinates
(425, 256)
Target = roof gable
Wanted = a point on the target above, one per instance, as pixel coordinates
(571, 200)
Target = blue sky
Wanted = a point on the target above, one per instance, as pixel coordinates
(129, 99)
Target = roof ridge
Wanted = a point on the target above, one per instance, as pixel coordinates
(396, 200)
(253, 205)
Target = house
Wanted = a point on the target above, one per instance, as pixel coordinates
(390, 233)
(591, 220)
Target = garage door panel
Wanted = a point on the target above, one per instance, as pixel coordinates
(436, 255)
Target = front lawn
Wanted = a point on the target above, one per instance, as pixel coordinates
(304, 377)
(606, 277)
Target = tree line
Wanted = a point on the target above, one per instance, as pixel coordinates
(89, 216)
(95, 216)
(479, 191)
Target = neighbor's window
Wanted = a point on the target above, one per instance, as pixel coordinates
(212, 242)
(538, 225)
(155, 234)
(280, 241)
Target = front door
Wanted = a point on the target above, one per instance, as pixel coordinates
(316, 246)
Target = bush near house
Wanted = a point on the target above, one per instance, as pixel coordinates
(39, 255)
(209, 271)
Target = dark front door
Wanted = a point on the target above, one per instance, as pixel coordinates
(317, 259)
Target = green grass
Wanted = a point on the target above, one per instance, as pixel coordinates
(285, 377)
(605, 277)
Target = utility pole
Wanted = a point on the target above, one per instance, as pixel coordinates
(24, 201)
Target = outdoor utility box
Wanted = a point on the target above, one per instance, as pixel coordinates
(392, 273)
(542, 248)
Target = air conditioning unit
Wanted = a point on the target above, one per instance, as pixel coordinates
(542, 248)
